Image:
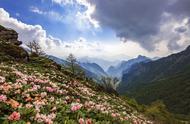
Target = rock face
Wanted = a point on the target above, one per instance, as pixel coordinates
(9, 36)
(9, 45)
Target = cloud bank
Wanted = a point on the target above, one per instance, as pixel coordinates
(142, 21)
(169, 34)
(80, 47)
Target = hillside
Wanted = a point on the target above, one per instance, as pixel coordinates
(37, 90)
(124, 66)
(166, 79)
(52, 96)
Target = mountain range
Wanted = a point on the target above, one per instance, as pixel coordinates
(124, 66)
(166, 79)
(92, 70)
(105, 64)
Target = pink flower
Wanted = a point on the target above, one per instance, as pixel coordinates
(49, 89)
(43, 94)
(3, 98)
(35, 87)
(48, 121)
(19, 74)
(67, 97)
(75, 106)
(81, 121)
(113, 115)
(78, 100)
(88, 121)
(15, 116)
(29, 105)
(2, 79)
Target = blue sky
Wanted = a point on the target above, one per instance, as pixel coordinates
(115, 30)
(63, 29)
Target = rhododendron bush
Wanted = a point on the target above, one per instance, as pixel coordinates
(30, 94)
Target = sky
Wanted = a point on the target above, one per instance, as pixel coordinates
(103, 29)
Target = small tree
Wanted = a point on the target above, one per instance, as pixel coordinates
(110, 84)
(72, 61)
(35, 48)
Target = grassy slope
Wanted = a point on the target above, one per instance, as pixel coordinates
(96, 105)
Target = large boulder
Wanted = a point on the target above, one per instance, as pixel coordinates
(10, 45)
(9, 36)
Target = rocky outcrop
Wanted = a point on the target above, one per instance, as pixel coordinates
(9, 36)
(10, 45)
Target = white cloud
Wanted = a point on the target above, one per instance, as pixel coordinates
(63, 2)
(113, 50)
(36, 10)
(78, 20)
(83, 17)
(55, 46)
(26, 32)
(50, 14)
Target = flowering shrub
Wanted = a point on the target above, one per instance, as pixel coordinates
(81, 121)
(15, 116)
(75, 106)
(34, 94)
(3, 98)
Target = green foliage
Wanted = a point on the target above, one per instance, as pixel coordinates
(177, 101)
(158, 112)
(166, 79)
(26, 113)
(133, 103)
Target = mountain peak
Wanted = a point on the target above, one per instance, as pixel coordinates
(125, 66)
(188, 48)
(140, 56)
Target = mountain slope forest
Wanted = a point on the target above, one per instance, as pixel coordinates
(166, 79)
(35, 89)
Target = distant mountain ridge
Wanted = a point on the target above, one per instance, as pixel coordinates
(58, 60)
(166, 79)
(105, 64)
(91, 70)
(124, 66)
(94, 68)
